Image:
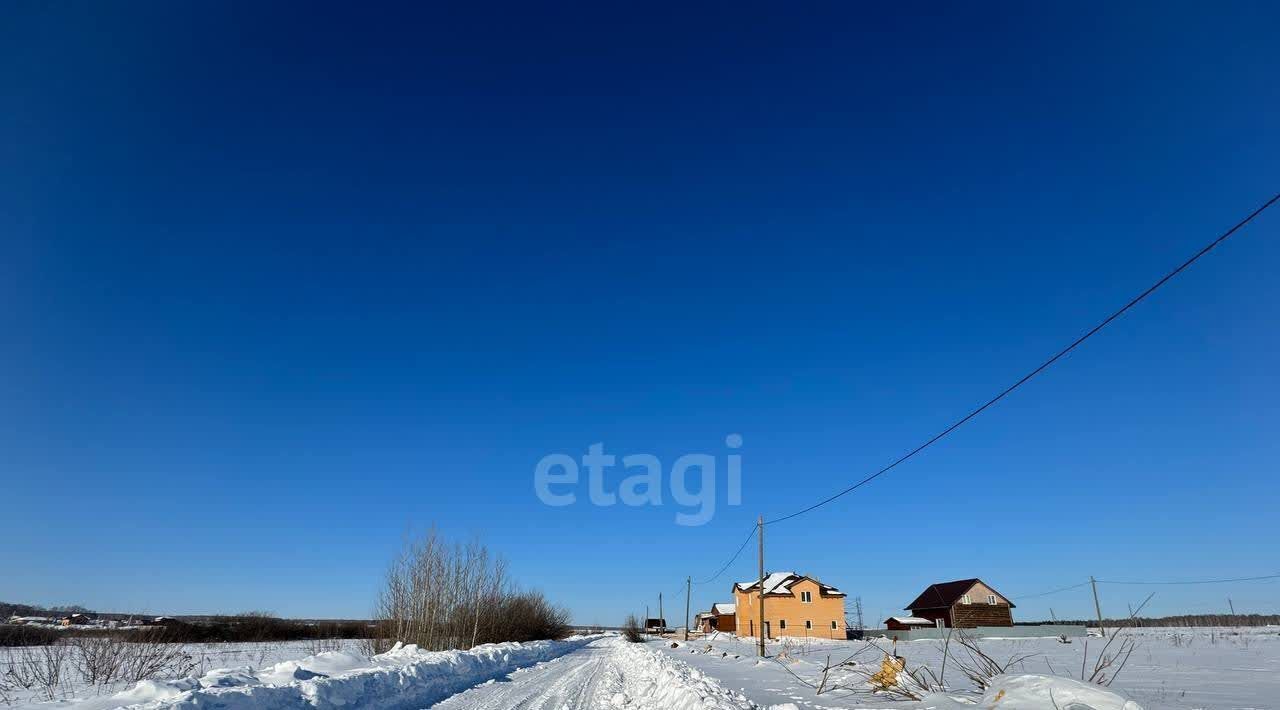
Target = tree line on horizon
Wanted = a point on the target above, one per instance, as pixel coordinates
(1184, 620)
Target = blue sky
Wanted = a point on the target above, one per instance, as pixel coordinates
(282, 283)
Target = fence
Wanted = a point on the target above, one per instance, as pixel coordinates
(981, 632)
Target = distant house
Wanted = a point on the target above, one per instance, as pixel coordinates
(963, 604)
(906, 623)
(22, 620)
(75, 620)
(655, 626)
(722, 617)
(794, 605)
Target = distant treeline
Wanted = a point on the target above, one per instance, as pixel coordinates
(245, 627)
(1179, 620)
(8, 609)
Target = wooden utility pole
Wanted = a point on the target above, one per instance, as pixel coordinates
(662, 620)
(760, 535)
(688, 589)
(1096, 606)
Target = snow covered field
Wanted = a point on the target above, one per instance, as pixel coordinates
(599, 671)
(1215, 669)
(199, 657)
(1210, 668)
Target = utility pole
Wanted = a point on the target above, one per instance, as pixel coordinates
(662, 620)
(1096, 606)
(688, 589)
(1233, 606)
(646, 618)
(1052, 615)
(760, 535)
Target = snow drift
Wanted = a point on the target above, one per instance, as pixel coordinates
(1037, 692)
(404, 677)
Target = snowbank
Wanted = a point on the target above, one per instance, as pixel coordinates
(1037, 692)
(654, 680)
(404, 677)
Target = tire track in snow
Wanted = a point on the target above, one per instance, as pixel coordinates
(570, 682)
(605, 674)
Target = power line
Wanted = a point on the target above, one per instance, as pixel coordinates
(1196, 581)
(1053, 591)
(1044, 366)
(733, 559)
(1112, 581)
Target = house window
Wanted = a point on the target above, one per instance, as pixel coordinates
(808, 624)
(806, 597)
(991, 599)
(782, 623)
(833, 624)
(966, 600)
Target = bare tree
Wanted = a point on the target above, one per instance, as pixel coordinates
(441, 596)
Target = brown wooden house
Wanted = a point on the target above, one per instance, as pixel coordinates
(720, 618)
(963, 604)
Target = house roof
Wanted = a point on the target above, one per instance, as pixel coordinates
(779, 583)
(944, 594)
(723, 608)
(775, 583)
(909, 620)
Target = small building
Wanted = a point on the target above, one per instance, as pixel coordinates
(963, 604)
(794, 605)
(655, 626)
(75, 620)
(23, 620)
(906, 623)
(722, 617)
(704, 622)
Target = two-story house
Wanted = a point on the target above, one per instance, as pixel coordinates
(963, 604)
(794, 605)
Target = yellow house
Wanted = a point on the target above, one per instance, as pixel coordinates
(794, 605)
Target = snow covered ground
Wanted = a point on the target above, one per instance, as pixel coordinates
(200, 657)
(1215, 669)
(404, 677)
(608, 673)
(599, 671)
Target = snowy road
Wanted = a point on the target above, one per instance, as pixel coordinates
(606, 673)
(586, 678)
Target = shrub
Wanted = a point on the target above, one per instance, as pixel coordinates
(632, 630)
(527, 616)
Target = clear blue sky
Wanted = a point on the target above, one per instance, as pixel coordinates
(279, 283)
